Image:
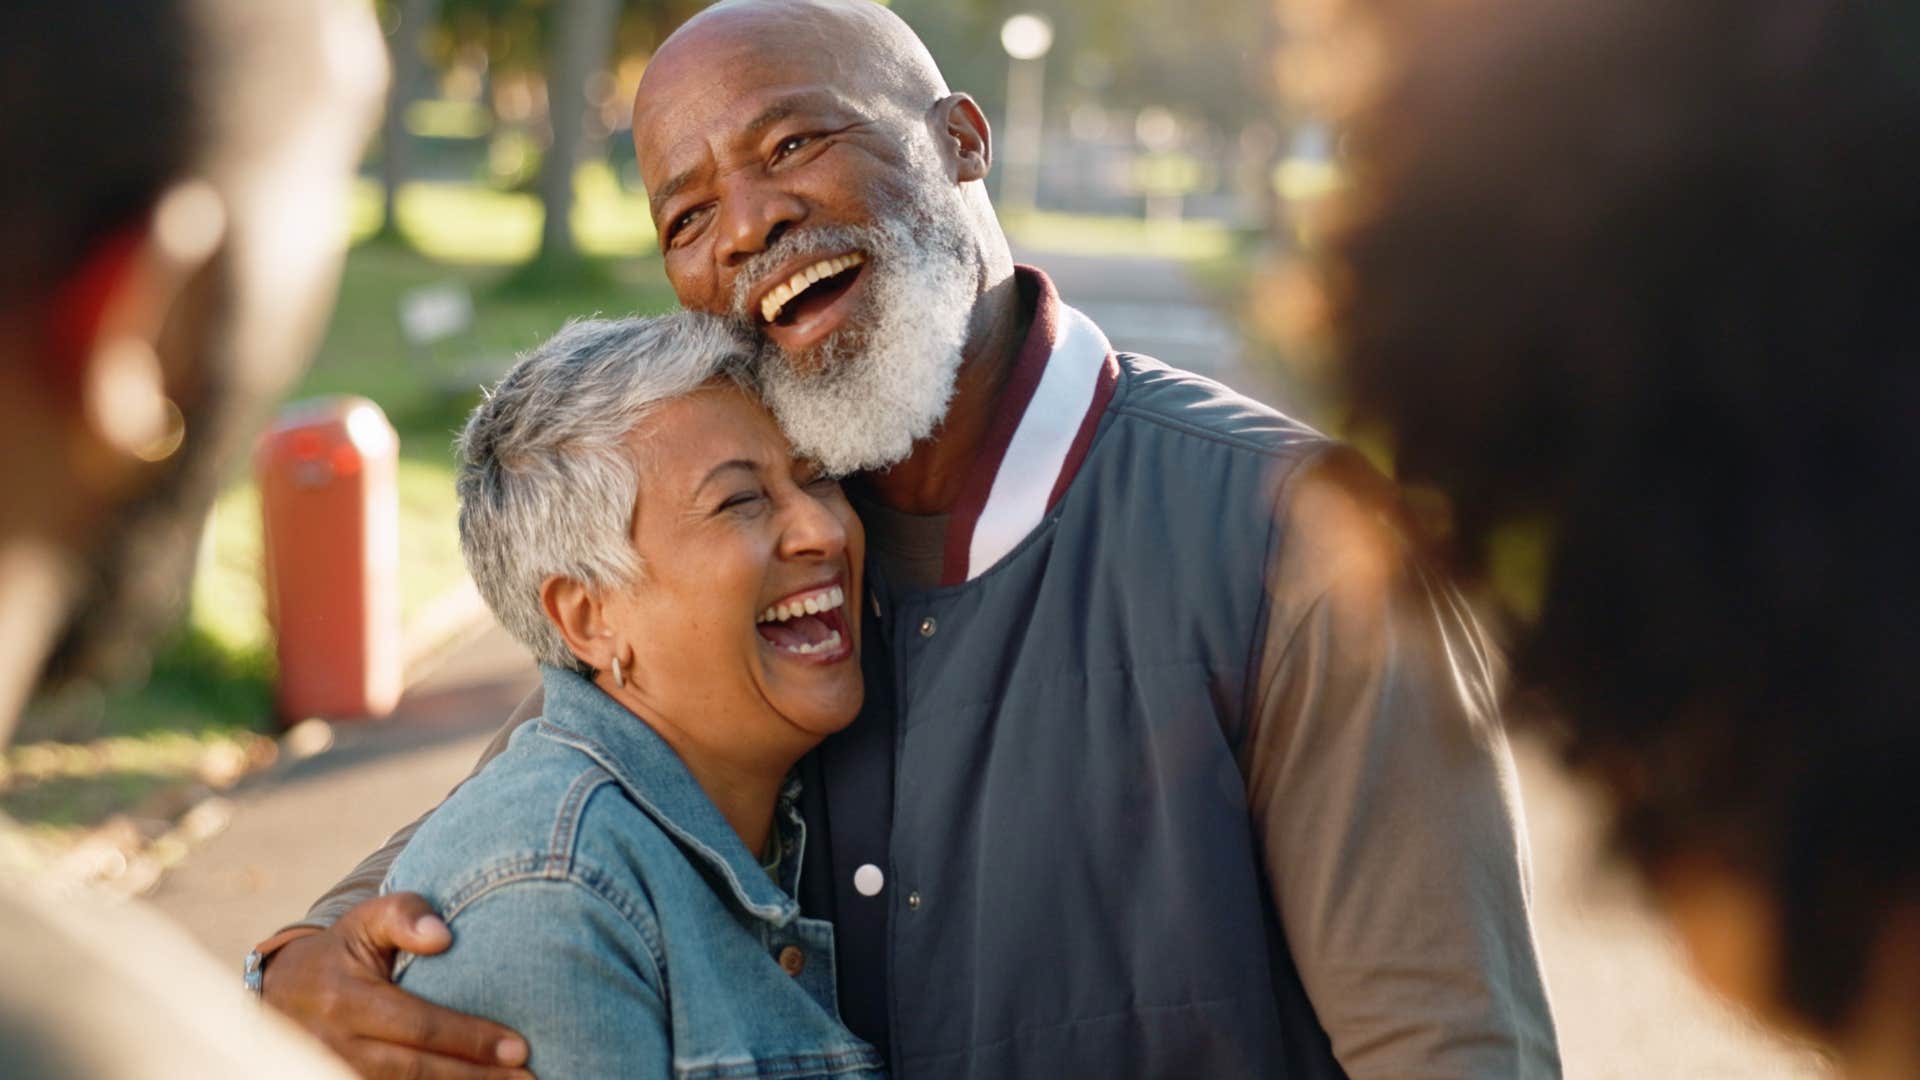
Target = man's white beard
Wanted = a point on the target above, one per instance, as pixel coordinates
(862, 398)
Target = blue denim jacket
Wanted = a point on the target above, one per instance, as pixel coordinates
(601, 906)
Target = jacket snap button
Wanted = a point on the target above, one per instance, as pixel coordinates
(913, 901)
(928, 626)
(792, 960)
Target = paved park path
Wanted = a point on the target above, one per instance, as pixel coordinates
(1148, 305)
(1624, 1004)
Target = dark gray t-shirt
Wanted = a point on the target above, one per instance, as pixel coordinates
(910, 549)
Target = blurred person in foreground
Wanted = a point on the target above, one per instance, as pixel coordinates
(173, 214)
(1172, 761)
(620, 880)
(1637, 284)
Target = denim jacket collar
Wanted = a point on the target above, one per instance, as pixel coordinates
(582, 716)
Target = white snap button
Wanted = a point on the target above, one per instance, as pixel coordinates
(868, 880)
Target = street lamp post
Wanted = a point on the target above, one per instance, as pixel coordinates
(1026, 38)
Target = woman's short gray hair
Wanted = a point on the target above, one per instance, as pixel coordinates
(548, 481)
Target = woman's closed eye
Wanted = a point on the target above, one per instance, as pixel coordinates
(742, 501)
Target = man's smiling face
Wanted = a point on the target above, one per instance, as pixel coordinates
(797, 185)
(750, 126)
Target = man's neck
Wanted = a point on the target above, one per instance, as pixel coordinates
(930, 480)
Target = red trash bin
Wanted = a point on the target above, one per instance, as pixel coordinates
(330, 507)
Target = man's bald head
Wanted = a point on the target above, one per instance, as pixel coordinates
(859, 45)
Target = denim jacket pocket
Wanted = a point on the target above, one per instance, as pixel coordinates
(791, 1030)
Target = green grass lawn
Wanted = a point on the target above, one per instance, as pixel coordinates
(470, 225)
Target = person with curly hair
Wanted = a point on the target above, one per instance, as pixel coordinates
(1634, 284)
(174, 212)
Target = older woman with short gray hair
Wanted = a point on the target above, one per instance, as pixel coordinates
(620, 880)
(547, 480)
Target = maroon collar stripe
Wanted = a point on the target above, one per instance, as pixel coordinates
(1043, 426)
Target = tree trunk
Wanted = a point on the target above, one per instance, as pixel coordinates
(582, 32)
(409, 80)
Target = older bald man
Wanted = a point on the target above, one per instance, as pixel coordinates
(1174, 764)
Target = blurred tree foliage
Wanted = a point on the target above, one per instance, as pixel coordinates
(516, 35)
(569, 42)
(1208, 60)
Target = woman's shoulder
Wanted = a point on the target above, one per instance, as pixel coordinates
(540, 812)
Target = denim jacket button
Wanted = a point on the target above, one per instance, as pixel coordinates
(928, 626)
(792, 960)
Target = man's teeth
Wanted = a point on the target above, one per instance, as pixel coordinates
(810, 604)
(774, 302)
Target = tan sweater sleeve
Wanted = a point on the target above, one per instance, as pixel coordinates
(1384, 799)
(363, 882)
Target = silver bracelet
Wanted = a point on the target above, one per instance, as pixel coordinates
(253, 973)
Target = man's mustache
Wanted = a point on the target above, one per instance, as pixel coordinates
(796, 244)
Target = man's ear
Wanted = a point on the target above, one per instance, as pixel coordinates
(103, 328)
(962, 132)
(581, 619)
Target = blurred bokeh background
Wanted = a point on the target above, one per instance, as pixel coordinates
(1147, 157)
(502, 197)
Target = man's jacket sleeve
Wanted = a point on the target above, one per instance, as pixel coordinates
(1384, 798)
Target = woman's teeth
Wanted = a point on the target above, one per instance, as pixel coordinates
(774, 302)
(831, 642)
(812, 603)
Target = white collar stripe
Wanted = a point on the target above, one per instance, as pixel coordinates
(1038, 452)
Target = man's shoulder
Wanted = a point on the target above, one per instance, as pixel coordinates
(1182, 402)
(1320, 492)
